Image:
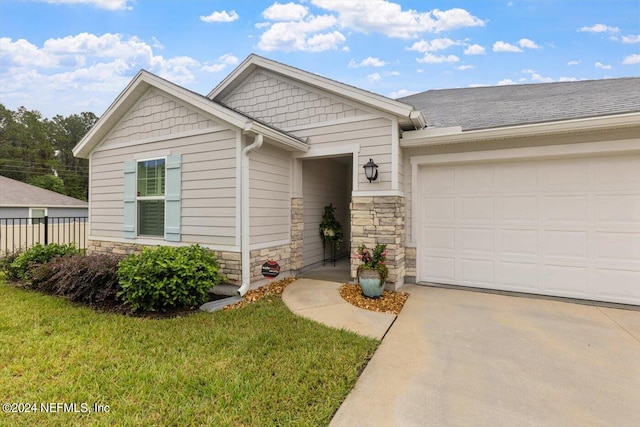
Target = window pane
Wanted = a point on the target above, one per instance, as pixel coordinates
(37, 216)
(151, 217)
(151, 178)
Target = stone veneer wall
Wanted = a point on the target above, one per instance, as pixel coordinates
(297, 233)
(410, 265)
(230, 262)
(281, 254)
(380, 220)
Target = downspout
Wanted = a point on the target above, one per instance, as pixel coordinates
(244, 220)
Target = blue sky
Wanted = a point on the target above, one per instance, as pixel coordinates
(68, 56)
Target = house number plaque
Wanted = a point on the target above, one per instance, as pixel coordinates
(270, 269)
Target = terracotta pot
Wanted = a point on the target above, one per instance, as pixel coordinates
(371, 283)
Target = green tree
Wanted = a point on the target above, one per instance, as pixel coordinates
(48, 182)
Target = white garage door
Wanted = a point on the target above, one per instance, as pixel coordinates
(567, 227)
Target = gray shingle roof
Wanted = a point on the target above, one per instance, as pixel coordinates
(497, 106)
(16, 193)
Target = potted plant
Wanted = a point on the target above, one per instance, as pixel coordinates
(330, 228)
(372, 273)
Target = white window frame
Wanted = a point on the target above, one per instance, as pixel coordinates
(32, 218)
(146, 198)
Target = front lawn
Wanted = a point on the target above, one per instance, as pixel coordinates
(258, 365)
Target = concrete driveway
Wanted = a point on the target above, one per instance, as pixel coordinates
(460, 358)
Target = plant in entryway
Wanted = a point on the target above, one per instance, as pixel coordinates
(372, 273)
(330, 228)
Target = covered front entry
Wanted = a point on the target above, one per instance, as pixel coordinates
(565, 226)
(325, 181)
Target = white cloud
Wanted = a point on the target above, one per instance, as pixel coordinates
(433, 59)
(599, 28)
(527, 43)
(388, 18)
(302, 35)
(102, 4)
(501, 46)
(433, 45)
(221, 63)
(285, 12)
(567, 79)
(464, 67)
(223, 16)
(570, 63)
(67, 72)
(505, 82)
(474, 49)
(401, 93)
(368, 62)
(536, 77)
(602, 66)
(630, 39)
(375, 77)
(632, 59)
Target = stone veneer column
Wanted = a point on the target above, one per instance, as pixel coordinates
(297, 231)
(380, 219)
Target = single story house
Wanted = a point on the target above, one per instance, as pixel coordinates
(24, 209)
(528, 188)
(22, 200)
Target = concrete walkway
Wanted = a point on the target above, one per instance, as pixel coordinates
(461, 358)
(321, 301)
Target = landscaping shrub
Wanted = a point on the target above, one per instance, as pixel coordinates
(26, 263)
(10, 273)
(88, 279)
(167, 277)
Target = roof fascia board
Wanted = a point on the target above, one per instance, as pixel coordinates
(252, 62)
(428, 137)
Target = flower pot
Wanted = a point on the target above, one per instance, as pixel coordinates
(370, 282)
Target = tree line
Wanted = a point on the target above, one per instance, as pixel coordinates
(38, 151)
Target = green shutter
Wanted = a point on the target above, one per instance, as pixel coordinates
(173, 186)
(129, 226)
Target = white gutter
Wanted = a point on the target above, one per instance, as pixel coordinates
(244, 220)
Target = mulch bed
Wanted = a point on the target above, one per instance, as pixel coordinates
(389, 302)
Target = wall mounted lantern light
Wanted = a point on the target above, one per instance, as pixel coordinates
(371, 170)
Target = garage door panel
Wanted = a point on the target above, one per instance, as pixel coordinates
(618, 209)
(567, 227)
(565, 174)
(571, 244)
(476, 240)
(617, 246)
(474, 272)
(518, 242)
(518, 208)
(566, 208)
(438, 208)
(621, 285)
(567, 280)
(475, 208)
(441, 269)
(520, 276)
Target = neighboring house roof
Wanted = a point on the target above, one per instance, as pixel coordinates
(19, 194)
(499, 106)
(145, 80)
(409, 117)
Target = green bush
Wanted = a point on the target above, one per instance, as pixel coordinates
(88, 279)
(25, 264)
(10, 273)
(168, 277)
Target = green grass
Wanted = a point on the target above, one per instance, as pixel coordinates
(259, 365)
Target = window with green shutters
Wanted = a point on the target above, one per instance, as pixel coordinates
(150, 195)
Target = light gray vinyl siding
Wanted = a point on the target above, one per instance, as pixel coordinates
(324, 181)
(373, 135)
(67, 212)
(270, 195)
(208, 186)
(8, 212)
